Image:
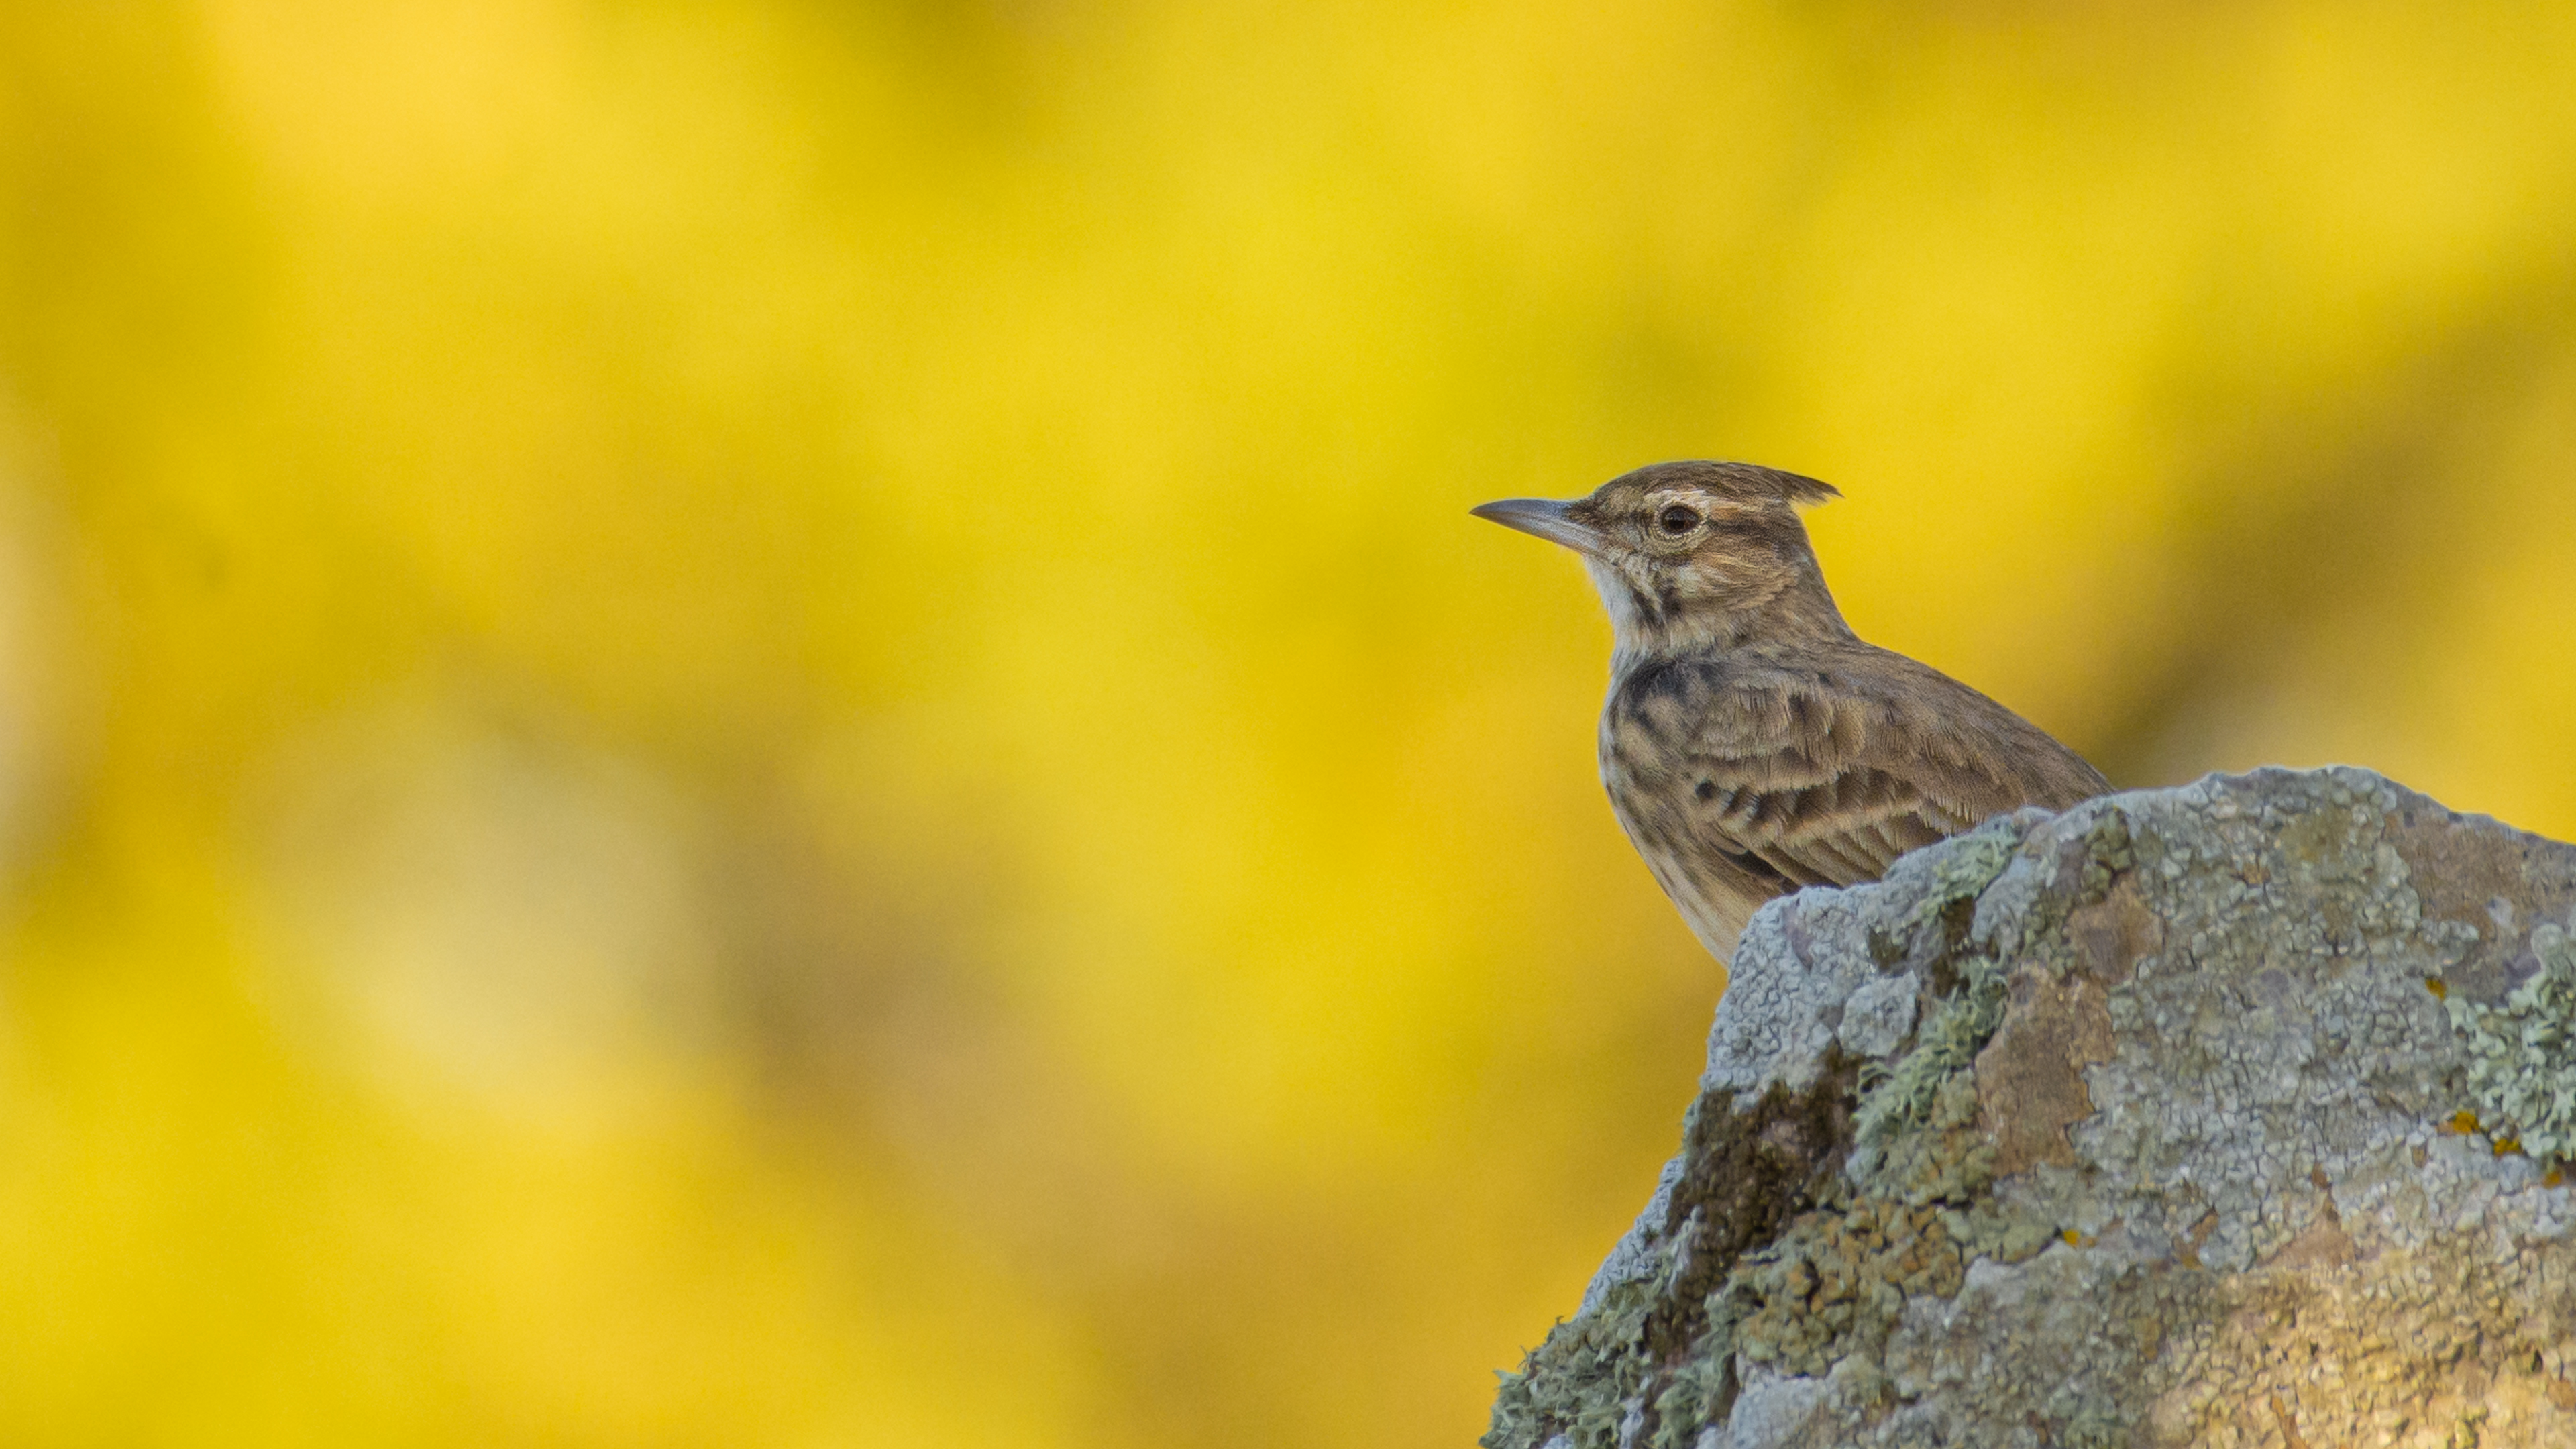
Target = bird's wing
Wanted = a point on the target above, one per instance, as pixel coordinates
(1827, 784)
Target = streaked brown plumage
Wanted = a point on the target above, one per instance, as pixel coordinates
(1752, 744)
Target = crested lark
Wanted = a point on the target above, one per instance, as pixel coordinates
(1752, 744)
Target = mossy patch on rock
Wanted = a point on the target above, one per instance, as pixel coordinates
(1901, 1097)
(1837, 1277)
(1665, 1364)
(1904, 1223)
(1582, 1381)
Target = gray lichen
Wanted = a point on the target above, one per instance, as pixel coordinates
(2128, 1126)
(2522, 1055)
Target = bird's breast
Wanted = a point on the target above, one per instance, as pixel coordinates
(1647, 777)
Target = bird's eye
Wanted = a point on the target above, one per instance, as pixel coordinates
(1676, 521)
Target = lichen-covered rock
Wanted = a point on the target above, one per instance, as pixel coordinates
(2220, 1115)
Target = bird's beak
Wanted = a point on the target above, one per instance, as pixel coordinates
(1545, 517)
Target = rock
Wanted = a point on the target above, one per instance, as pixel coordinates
(2229, 1114)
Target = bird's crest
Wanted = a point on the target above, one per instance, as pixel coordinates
(1795, 487)
(1750, 482)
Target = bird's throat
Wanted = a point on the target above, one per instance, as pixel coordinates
(1646, 625)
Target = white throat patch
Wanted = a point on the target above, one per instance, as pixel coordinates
(1626, 628)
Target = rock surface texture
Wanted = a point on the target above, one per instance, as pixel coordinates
(2220, 1115)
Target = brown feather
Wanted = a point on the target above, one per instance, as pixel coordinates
(1825, 763)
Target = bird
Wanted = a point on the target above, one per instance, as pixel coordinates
(1751, 743)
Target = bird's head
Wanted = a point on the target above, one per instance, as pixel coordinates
(1691, 554)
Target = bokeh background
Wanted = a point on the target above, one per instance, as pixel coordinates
(774, 723)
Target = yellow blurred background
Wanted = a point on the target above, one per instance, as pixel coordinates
(775, 724)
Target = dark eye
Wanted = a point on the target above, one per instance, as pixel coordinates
(1675, 521)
